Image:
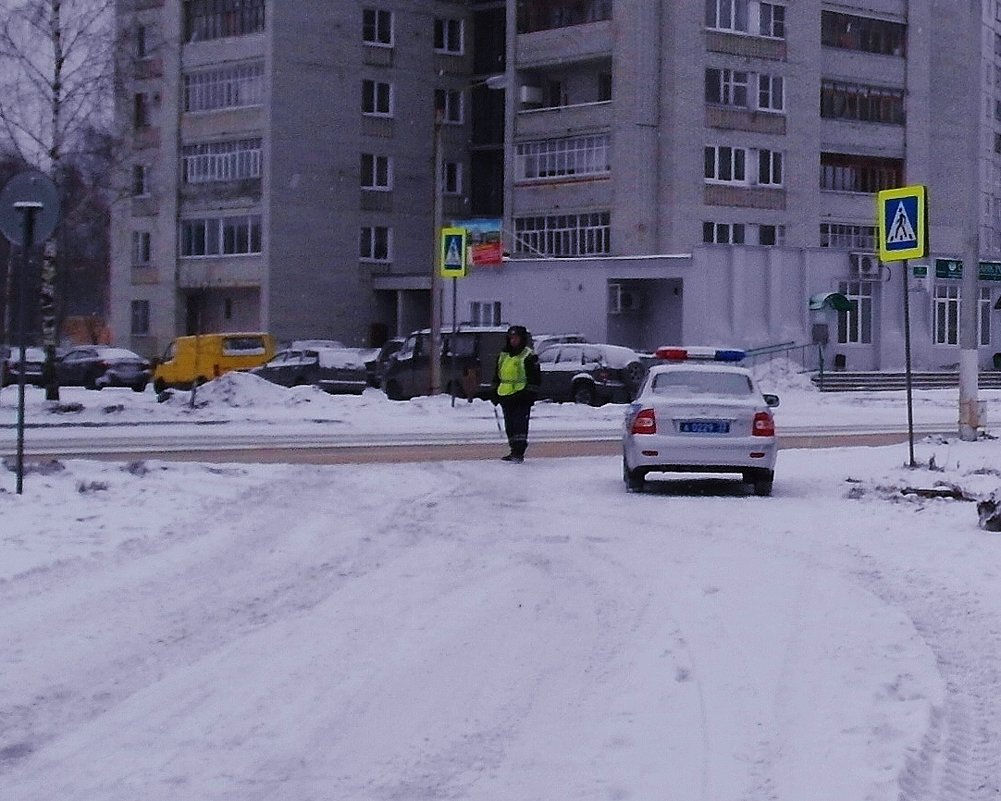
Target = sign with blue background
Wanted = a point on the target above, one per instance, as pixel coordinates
(902, 217)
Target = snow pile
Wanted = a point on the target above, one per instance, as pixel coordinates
(782, 373)
(238, 390)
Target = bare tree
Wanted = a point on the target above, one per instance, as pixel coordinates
(56, 70)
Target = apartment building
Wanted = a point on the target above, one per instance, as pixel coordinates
(665, 170)
(280, 162)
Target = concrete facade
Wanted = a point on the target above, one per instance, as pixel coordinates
(613, 111)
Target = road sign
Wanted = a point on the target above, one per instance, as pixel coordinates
(25, 190)
(902, 217)
(453, 253)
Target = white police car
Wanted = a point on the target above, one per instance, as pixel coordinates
(700, 412)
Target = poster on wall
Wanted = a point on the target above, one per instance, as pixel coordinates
(484, 241)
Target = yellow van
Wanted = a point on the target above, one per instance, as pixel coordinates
(197, 359)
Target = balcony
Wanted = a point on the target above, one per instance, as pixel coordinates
(748, 197)
(543, 15)
(741, 119)
(222, 271)
(564, 45)
(743, 45)
(563, 120)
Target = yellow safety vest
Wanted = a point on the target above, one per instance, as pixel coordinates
(511, 372)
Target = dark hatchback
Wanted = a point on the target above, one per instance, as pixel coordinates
(100, 366)
(335, 370)
(10, 366)
(590, 373)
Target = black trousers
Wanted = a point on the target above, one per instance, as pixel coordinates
(516, 414)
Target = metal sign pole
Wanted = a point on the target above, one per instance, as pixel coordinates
(907, 362)
(28, 210)
(454, 342)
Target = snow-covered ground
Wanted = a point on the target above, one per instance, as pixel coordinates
(479, 630)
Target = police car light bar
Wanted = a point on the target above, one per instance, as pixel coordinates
(674, 354)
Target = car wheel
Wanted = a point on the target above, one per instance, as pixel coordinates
(90, 382)
(159, 386)
(583, 392)
(762, 483)
(140, 387)
(635, 479)
(454, 387)
(393, 391)
(635, 373)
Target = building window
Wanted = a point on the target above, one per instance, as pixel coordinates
(984, 316)
(485, 312)
(141, 110)
(845, 236)
(726, 165)
(545, 15)
(771, 93)
(221, 236)
(855, 325)
(377, 27)
(769, 168)
(141, 43)
(604, 87)
(727, 15)
(726, 87)
(374, 243)
(139, 327)
(215, 19)
(851, 101)
(563, 234)
(227, 309)
(376, 172)
(377, 98)
(142, 250)
(842, 172)
(235, 86)
(452, 177)
(772, 20)
(140, 180)
(946, 323)
(558, 158)
(448, 36)
(448, 104)
(850, 32)
(771, 235)
(221, 161)
(723, 233)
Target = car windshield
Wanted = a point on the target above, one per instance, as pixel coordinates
(701, 382)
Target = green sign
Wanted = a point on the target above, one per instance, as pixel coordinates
(919, 271)
(953, 268)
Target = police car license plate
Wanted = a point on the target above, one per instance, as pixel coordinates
(704, 427)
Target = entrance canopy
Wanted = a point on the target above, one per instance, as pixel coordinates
(830, 300)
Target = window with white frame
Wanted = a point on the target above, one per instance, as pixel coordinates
(772, 20)
(847, 236)
(377, 27)
(215, 19)
(771, 235)
(984, 316)
(721, 233)
(945, 330)
(727, 15)
(140, 180)
(726, 87)
(232, 86)
(377, 98)
(221, 236)
(448, 36)
(557, 158)
(855, 324)
(448, 104)
(375, 243)
(725, 165)
(485, 312)
(142, 249)
(563, 234)
(210, 162)
(376, 172)
(771, 93)
(452, 177)
(139, 324)
(769, 168)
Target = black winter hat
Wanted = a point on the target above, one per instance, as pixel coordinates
(520, 330)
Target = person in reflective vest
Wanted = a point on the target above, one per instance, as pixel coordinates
(516, 386)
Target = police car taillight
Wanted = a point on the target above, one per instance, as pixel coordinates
(645, 422)
(675, 354)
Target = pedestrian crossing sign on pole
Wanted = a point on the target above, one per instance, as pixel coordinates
(452, 263)
(902, 217)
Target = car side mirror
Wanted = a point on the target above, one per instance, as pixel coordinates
(771, 400)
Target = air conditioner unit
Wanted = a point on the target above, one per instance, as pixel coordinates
(531, 95)
(863, 266)
(622, 300)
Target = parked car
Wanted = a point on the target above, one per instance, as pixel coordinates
(334, 370)
(193, 360)
(467, 369)
(590, 373)
(707, 417)
(100, 366)
(10, 366)
(376, 367)
(542, 341)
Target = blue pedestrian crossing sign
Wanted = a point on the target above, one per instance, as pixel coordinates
(902, 218)
(452, 263)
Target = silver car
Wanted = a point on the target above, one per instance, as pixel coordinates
(700, 417)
